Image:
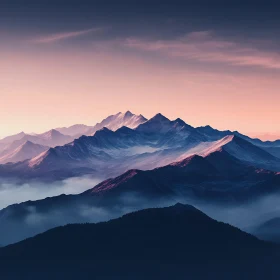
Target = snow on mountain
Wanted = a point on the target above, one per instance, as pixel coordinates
(238, 148)
(153, 143)
(117, 121)
(95, 150)
(25, 151)
(126, 119)
(122, 148)
(112, 122)
(272, 147)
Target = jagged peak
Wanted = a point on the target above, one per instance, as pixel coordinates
(128, 114)
(159, 117)
(102, 131)
(124, 129)
(178, 120)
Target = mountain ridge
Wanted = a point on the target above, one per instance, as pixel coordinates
(184, 239)
(153, 143)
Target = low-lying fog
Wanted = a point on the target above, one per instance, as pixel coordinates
(12, 192)
(242, 216)
(245, 216)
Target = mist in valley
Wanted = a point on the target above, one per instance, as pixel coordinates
(34, 220)
(13, 191)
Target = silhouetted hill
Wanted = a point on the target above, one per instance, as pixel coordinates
(169, 243)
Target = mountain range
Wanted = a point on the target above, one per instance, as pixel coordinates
(11, 145)
(175, 242)
(23, 146)
(152, 143)
(151, 163)
(112, 122)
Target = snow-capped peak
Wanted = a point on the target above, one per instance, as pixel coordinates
(114, 122)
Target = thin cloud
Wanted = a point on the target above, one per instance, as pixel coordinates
(206, 47)
(52, 38)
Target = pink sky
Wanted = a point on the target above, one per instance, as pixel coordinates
(43, 89)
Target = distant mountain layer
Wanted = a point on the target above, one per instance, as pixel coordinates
(12, 138)
(124, 141)
(74, 130)
(177, 242)
(154, 143)
(23, 152)
(112, 122)
(23, 146)
(50, 138)
(61, 136)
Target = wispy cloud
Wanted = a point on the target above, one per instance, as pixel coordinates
(52, 38)
(206, 47)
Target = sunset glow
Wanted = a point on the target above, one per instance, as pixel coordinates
(83, 72)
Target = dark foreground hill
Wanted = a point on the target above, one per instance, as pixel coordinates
(177, 242)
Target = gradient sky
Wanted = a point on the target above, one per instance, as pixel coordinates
(207, 62)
